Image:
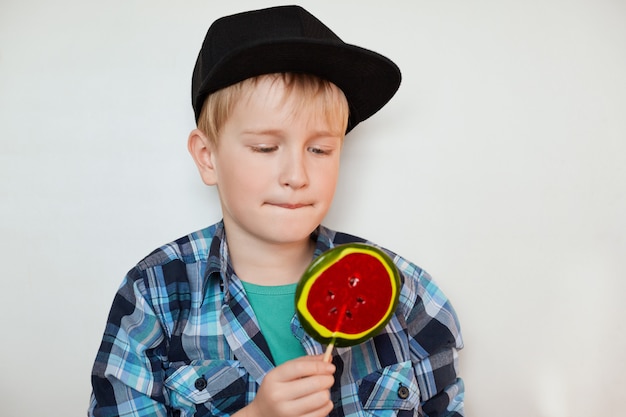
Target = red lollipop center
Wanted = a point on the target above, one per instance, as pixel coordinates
(352, 295)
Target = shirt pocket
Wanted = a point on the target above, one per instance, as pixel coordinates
(207, 387)
(391, 388)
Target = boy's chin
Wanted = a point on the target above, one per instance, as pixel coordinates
(295, 234)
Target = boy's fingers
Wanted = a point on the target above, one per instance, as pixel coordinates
(308, 386)
(303, 367)
(318, 403)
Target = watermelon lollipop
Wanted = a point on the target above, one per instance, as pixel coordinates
(347, 295)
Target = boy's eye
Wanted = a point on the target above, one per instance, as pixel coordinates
(319, 151)
(263, 148)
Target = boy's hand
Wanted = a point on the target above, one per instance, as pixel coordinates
(299, 387)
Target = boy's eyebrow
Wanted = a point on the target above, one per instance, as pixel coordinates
(262, 132)
(279, 132)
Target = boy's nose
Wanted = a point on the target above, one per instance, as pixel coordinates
(294, 173)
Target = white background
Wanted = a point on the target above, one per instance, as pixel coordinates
(499, 167)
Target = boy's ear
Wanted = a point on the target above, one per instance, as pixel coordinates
(202, 151)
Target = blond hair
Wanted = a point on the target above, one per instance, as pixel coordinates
(309, 90)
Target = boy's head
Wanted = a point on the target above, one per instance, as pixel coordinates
(288, 39)
(274, 91)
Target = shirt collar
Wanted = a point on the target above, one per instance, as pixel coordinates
(218, 262)
(323, 237)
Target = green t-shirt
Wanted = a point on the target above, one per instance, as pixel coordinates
(274, 307)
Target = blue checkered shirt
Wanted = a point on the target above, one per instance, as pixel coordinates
(182, 340)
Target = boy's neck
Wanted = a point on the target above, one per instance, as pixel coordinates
(263, 263)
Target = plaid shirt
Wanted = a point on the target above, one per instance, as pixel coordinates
(182, 340)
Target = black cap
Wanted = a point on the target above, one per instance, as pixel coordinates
(290, 39)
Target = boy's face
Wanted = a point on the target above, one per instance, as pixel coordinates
(276, 165)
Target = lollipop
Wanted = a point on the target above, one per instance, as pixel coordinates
(347, 295)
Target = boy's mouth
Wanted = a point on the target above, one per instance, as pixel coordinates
(289, 206)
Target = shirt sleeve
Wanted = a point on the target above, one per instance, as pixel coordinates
(435, 339)
(127, 377)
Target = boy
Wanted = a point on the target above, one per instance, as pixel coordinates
(205, 326)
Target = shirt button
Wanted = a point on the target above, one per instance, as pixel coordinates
(200, 383)
(403, 392)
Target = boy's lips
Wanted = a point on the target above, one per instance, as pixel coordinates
(290, 206)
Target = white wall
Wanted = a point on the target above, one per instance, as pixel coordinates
(500, 167)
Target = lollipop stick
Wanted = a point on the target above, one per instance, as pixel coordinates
(329, 352)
